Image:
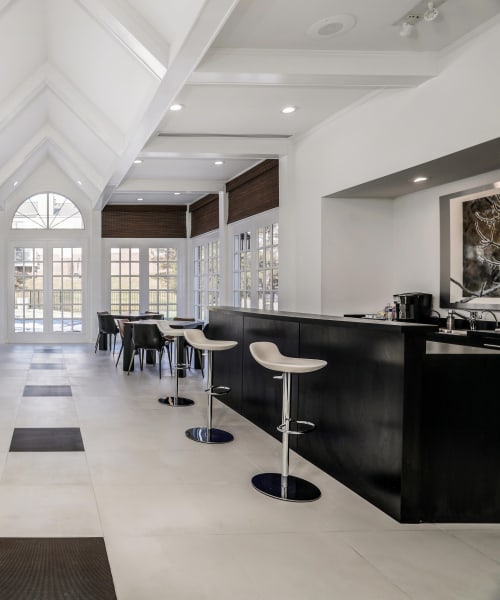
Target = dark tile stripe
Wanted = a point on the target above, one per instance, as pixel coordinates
(47, 390)
(55, 569)
(47, 366)
(48, 350)
(46, 439)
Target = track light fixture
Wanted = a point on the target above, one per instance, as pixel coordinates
(431, 13)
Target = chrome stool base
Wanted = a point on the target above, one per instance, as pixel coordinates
(176, 401)
(291, 489)
(209, 436)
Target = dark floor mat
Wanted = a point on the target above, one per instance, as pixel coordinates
(55, 569)
(47, 366)
(46, 439)
(47, 390)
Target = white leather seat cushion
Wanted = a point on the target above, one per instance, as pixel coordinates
(268, 355)
(198, 340)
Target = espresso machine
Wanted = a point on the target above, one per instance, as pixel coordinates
(413, 307)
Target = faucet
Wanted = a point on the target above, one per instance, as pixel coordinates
(474, 315)
(492, 314)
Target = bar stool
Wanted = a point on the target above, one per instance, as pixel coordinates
(282, 485)
(179, 366)
(208, 434)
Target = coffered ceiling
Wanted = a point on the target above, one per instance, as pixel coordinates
(88, 83)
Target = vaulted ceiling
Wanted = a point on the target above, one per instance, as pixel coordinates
(89, 83)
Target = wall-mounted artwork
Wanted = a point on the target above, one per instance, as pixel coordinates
(470, 248)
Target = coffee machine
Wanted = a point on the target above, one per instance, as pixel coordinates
(413, 307)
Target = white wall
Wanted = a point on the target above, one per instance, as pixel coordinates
(389, 132)
(357, 254)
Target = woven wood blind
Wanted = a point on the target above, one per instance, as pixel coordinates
(204, 215)
(123, 221)
(253, 192)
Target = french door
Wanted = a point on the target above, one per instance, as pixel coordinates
(47, 291)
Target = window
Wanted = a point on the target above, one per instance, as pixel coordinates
(67, 289)
(28, 289)
(206, 278)
(268, 266)
(144, 278)
(125, 287)
(242, 270)
(256, 265)
(163, 281)
(47, 211)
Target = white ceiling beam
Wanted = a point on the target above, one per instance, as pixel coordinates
(209, 21)
(215, 147)
(169, 185)
(131, 30)
(320, 68)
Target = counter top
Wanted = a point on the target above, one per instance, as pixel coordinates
(395, 326)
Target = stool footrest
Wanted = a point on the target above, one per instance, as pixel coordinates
(218, 390)
(296, 427)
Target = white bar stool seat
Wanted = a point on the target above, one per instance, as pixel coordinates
(209, 434)
(283, 485)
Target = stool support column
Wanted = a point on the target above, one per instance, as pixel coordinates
(209, 434)
(284, 486)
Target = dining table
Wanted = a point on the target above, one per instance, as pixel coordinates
(165, 326)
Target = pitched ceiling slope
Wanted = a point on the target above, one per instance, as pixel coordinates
(79, 79)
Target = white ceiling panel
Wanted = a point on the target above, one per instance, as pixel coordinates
(98, 64)
(284, 24)
(169, 198)
(88, 143)
(229, 109)
(23, 43)
(20, 129)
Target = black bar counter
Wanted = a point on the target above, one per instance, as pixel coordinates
(398, 419)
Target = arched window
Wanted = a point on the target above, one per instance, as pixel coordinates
(47, 211)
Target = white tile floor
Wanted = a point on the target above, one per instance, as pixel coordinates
(182, 521)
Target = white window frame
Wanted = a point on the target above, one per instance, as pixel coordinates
(251, 225)
(144, 244)
(200, 310)
(45, 239)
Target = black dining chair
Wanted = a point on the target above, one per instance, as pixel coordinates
(147, 336)
(107, 328)
(121, 331)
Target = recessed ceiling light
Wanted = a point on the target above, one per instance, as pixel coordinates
(177, 193)
(331, 26)
(79, 182)
(137, 161)
(140, 199)
(175, 107)
(288, 110)
(218, 162)
(16, 183)
(419, 179)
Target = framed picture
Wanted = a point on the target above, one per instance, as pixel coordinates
(470, 248)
